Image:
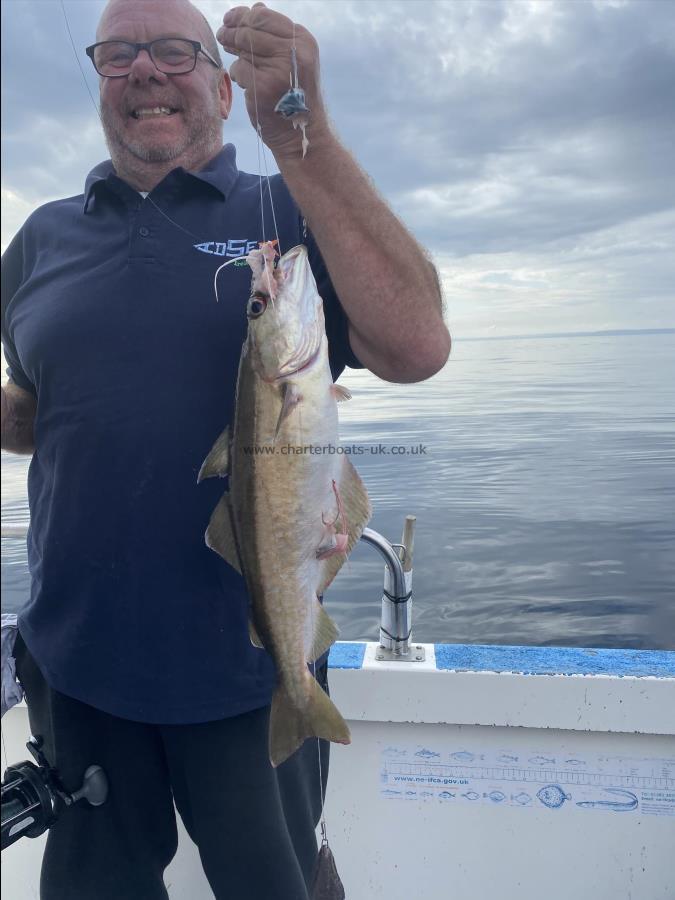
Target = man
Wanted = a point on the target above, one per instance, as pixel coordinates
(133, 649)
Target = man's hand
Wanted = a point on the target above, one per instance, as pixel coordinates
(387, 286)
(18, 417)
(262, 39)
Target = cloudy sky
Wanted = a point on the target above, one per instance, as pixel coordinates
(528, 144)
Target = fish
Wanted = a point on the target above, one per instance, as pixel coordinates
(289, 519)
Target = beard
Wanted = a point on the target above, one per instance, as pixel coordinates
(202, 133)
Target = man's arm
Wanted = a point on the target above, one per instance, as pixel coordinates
(388, 288)
(386, 284)
(18, 417)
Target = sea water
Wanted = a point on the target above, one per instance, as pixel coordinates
(541, 472)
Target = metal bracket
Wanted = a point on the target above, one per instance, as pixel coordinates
(416, 653)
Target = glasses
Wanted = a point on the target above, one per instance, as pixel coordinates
(172, 56)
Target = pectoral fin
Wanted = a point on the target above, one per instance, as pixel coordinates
(218, 460)
(340, 393)
(357, 511)
(220, 535)
(291, 399)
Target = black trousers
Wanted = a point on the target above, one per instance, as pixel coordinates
(254, 825)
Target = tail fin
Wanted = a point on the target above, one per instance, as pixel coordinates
(290, 726)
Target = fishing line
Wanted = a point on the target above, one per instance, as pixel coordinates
(322, 819)
(98, 113)
(77, 59)
(4, 749)
(195, 237)
(169, 219)
(322, 793)
(294, 61)
(269, 191)
(260, 144)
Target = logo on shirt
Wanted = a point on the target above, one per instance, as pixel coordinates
(232, 249)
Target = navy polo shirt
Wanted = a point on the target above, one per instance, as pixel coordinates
(110, 320)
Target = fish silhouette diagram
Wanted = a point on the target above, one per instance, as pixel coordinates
(530, 780)
(553, 796)
(428, 754)
(628, 803)
(465, 756)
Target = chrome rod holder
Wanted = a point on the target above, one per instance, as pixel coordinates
(396, 621)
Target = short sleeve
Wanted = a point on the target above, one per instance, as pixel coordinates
(340, 352)
(12, 277)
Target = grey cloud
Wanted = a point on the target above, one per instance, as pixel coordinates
(49, 122)
(597, 84)
(38, 63)
(491, 127)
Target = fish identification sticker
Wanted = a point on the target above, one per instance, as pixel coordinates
(528, 779)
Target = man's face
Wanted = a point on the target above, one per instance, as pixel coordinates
(191, 130)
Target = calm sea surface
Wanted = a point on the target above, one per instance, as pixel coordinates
(544, 494)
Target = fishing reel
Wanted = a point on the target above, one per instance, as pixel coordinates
(33, 797)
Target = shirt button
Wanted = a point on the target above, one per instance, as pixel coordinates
(143, 231)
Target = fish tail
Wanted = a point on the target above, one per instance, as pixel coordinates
(291, 726)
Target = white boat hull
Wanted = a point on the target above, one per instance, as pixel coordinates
(497, 777)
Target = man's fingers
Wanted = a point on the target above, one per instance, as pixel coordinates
(260, 18)
(241, 72)
(246, 56)
(243, 39)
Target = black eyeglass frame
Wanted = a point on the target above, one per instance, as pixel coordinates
(147, 45)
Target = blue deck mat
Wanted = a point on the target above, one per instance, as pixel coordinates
(555, 660)
(529, 660)
(346, 655)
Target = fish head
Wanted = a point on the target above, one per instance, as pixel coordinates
(285, 314)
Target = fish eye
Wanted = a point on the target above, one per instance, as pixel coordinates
(257, 305)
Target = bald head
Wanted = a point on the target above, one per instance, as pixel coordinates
(155, 121)
(196, 24)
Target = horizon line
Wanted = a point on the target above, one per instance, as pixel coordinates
(607, 332)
